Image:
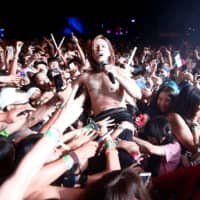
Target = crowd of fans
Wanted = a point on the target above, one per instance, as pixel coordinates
(86, 120)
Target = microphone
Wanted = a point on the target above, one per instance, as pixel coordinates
(111, 77)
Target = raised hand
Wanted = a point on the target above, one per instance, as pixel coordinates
(105, 124)
(18, 47)
(81, 138)
(74, 38)
(86, 151)
(18, 112)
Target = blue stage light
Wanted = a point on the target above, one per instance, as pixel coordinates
(67, 31)
(75, 24)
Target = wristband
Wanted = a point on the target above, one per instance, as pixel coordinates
(69, 161)
(56, 129)
(110, 144)
(54, 135)
(4, 133)
(195, 127)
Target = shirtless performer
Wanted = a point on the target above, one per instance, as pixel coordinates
(108, 85)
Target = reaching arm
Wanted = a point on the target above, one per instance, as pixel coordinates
(112, 161)
(35, 159)
(13, 69)
(150, 148)
(50, 172)
(22, 177)
(80, 51)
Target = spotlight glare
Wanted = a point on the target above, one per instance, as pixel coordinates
(132, 20)
(108, 31)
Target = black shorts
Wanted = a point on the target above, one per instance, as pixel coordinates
(118, 114)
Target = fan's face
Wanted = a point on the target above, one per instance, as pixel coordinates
(163, 102)
(101, 52)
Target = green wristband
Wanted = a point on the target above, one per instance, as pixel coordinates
(88, 127)
(195, 127)
(4, 133)
(69, 161)
(110, 144)
(53, 135)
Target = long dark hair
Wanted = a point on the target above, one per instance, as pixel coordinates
(187, 102)
(159, 128)
(7, 158)
(171, 94)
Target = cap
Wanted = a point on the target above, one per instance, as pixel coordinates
(172, 84)
(10, 95)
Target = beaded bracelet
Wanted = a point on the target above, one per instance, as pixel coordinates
(4, 133)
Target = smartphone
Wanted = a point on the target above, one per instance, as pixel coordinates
(56, 77)
(178, 61)
(93, 124)
(146, 177)
(59, 83)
